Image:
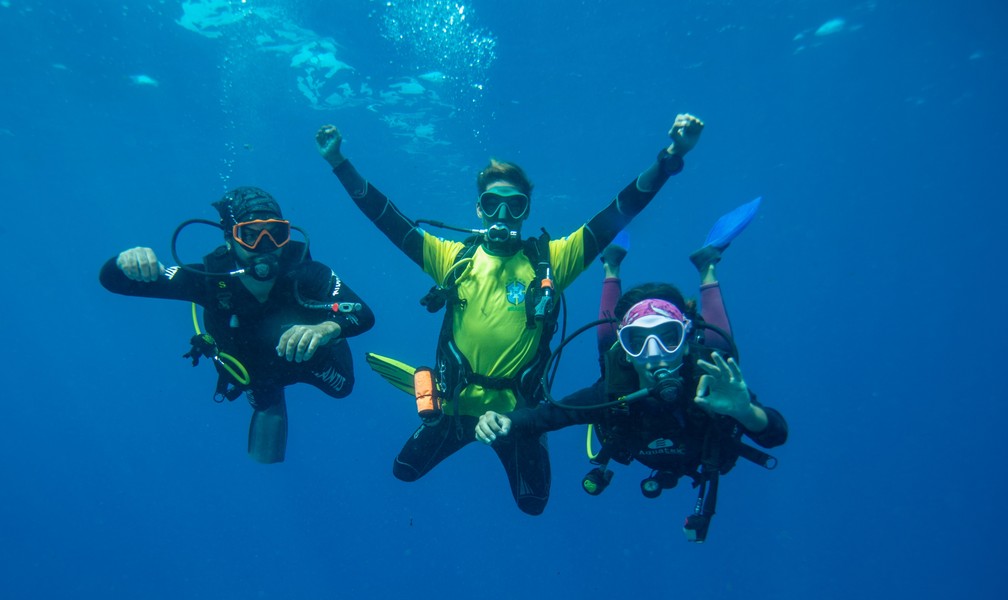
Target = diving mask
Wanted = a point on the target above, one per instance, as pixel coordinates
(504, 202)
(669, 334)
(654, 331)
(250, 234)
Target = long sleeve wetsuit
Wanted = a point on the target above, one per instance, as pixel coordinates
(658, 433)
(489, 323)
(649, 419)
(600, 230)
(249, 330)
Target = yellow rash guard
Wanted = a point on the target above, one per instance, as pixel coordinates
(489, 325)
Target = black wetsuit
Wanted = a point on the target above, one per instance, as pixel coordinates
(249, 330)
(526, 461)
(664, 435)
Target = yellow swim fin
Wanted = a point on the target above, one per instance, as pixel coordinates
(395, 372)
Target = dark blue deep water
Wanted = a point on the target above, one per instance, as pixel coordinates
(868, 297)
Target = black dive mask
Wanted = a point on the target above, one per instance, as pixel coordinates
(504, 202)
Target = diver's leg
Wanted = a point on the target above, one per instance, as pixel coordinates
(713, 310)
(267, 440)
(606, 332)
(612, 257)
(527, 463)
(330, 370)
(431, 444)
(726, 229)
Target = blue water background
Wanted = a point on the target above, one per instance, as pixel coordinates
(867, 298)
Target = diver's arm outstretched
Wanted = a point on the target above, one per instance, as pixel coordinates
(532, 422)
(398, 228)
(721, 390)
(138, 272)
(603, 227)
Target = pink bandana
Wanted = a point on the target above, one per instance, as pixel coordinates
(652, 306)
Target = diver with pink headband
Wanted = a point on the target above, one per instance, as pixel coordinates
(672, 395)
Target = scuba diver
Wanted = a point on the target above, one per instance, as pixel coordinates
(273, 316)
(668, 397)
(500, 295)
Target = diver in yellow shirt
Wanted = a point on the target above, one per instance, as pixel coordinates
(499, 293)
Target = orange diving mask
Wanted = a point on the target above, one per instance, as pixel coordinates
(251, 233)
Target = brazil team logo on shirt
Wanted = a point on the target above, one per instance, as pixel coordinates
(515, 292)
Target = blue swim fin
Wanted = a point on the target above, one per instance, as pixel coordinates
(722, 233)
(731, 224)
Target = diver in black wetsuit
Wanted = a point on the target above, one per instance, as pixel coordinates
(667, 398)
(275, 316)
